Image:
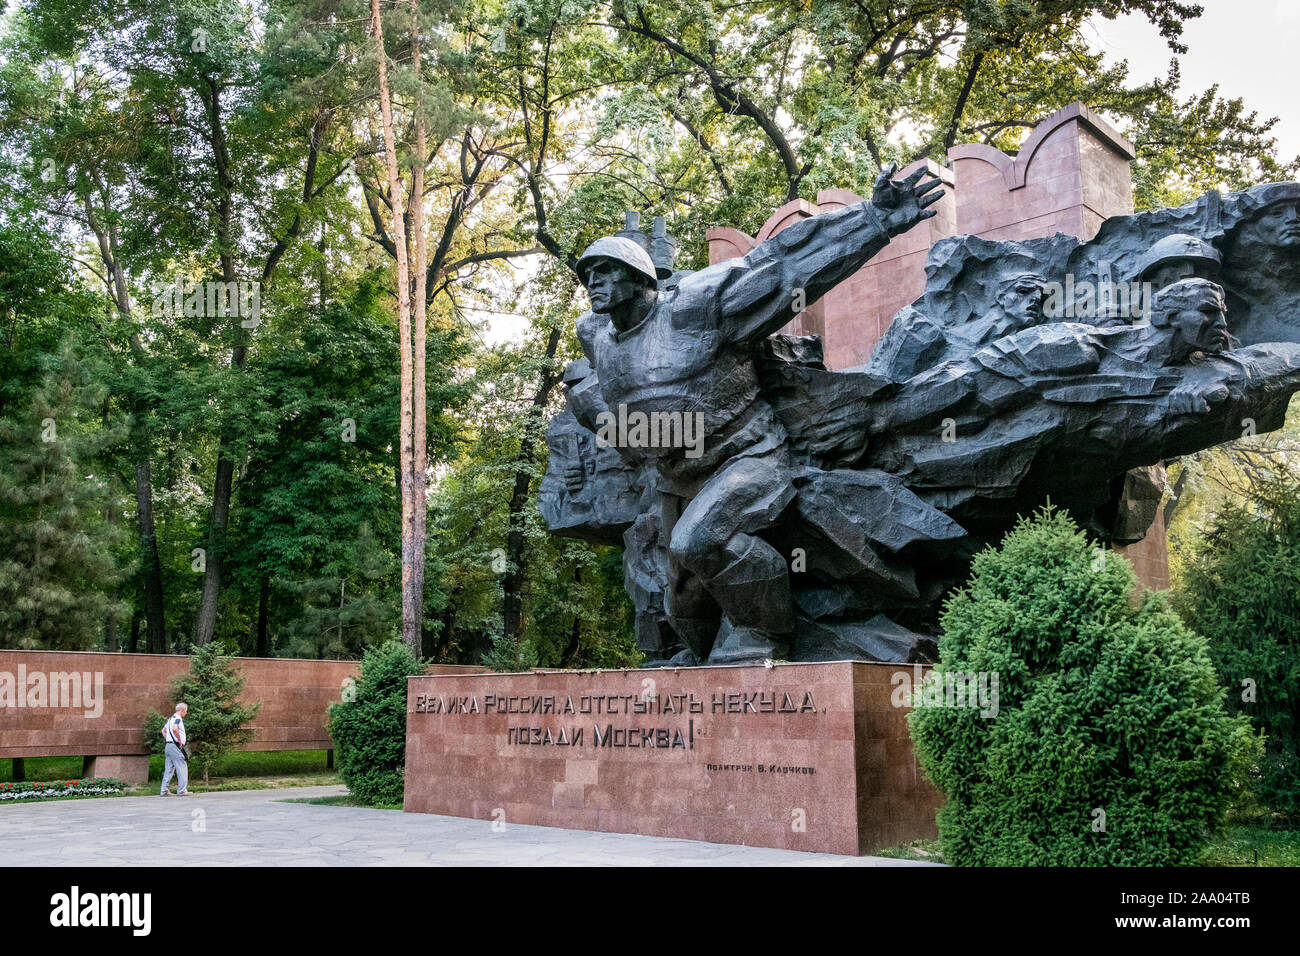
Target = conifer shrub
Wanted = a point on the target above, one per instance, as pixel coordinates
(1241, 589)
(369, 730)
(1111, 744)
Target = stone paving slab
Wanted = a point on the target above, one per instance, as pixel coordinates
(257, 828)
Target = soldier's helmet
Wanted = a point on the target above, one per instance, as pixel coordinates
(1175, 247)
(620, 250)
(1257, 200)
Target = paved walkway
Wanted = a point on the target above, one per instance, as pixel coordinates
(256, 828)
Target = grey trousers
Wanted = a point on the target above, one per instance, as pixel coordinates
(175, 764)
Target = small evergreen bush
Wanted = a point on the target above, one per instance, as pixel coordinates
(1110, 745)
(369, 731)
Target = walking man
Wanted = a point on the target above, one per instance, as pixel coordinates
(174, 733)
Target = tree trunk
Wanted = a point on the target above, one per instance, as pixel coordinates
(205, 625)
(512, 585)
(106, 238)
(1175, 496)
(110, 518)
(320, 247)
(575, 631)
(447, 636)
(343, 583)
(214, 558)
(155, 639)
(134, 633)
(412, 612)
(419, 397)
(263, 600)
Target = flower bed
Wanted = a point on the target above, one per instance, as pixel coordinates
(60, 788)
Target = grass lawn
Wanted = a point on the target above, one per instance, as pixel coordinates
(252, 770)
(43, 768)
(1243, 844)
(927, 850)
(243, 770)
(1240, 845)
(344, 800)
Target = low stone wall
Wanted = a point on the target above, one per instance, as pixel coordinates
(798, 756)
(104, 718)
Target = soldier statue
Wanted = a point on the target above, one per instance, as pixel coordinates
(689, 349)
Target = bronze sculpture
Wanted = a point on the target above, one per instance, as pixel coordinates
(826, 514)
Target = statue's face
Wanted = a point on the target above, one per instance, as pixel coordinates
(611, 284)
(1279, 225)
(1176, 270)
(1200, 326)
(1022, 301)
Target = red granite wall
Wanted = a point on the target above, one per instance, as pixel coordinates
(1150, 556)
(294, 695)
(798, 756)
(859, 310)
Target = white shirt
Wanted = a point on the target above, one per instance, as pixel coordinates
(174, 730)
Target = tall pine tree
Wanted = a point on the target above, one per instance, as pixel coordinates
(57, 564)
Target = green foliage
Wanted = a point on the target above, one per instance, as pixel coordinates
(369, 731)
(40, 301)
(1106, 702)
(196, 140)
(57, 568)
(509, 656)
(214, 725)
(347, 608)
(1201, 484)
(200, 138)
(717, 113)
(574, 610)
(580, 615)
(317, 511)
(1241, 589)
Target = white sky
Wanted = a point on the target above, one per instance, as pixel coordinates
(1251, 48)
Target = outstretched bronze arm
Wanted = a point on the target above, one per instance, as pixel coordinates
(783, 275)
